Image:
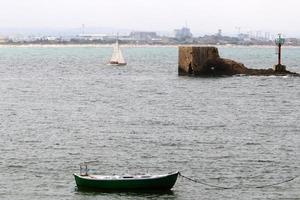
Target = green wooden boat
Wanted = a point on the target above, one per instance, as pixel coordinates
(127, 182)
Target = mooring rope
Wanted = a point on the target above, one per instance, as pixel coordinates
(203, 183)
(279, 183)
(236, 187)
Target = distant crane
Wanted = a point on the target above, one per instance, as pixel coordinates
(238, 28)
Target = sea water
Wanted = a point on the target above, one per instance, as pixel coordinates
(63, 106)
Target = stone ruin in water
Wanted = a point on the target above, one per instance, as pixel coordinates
(205, 61)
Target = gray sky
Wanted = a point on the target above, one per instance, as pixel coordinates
(202, 16)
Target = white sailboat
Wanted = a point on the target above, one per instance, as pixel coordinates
(117, 56)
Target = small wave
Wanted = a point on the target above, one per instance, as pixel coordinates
(72, 154)
(220, 157)
(15, 166)
(147, 156)
(32, 141)
(266, 161)
(252, 143)
(169, 144)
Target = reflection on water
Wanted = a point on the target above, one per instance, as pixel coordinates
(152, 194)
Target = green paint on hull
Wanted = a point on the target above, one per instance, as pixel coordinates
(160, 183)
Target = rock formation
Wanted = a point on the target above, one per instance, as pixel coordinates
(205, 61)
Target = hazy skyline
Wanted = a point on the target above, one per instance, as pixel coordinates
(155, 15)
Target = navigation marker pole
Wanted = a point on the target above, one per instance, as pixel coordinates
(279, 42)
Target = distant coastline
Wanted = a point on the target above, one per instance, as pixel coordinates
(134, 46)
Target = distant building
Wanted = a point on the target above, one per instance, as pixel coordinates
(244, 37)
(94, 36)
(139, 35)
(3, 40)
(183, 33)
(267, 36)
(219, 34)
(50, 38)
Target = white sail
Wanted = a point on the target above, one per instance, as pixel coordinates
(117, 57)
(120, 56)
(114, 57)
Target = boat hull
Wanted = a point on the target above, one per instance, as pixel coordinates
(159, 183)
(117, 64)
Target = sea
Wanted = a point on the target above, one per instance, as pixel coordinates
(63, 105)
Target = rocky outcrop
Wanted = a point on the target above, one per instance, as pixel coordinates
(220, 66)
(192, 59)
(205, 61)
